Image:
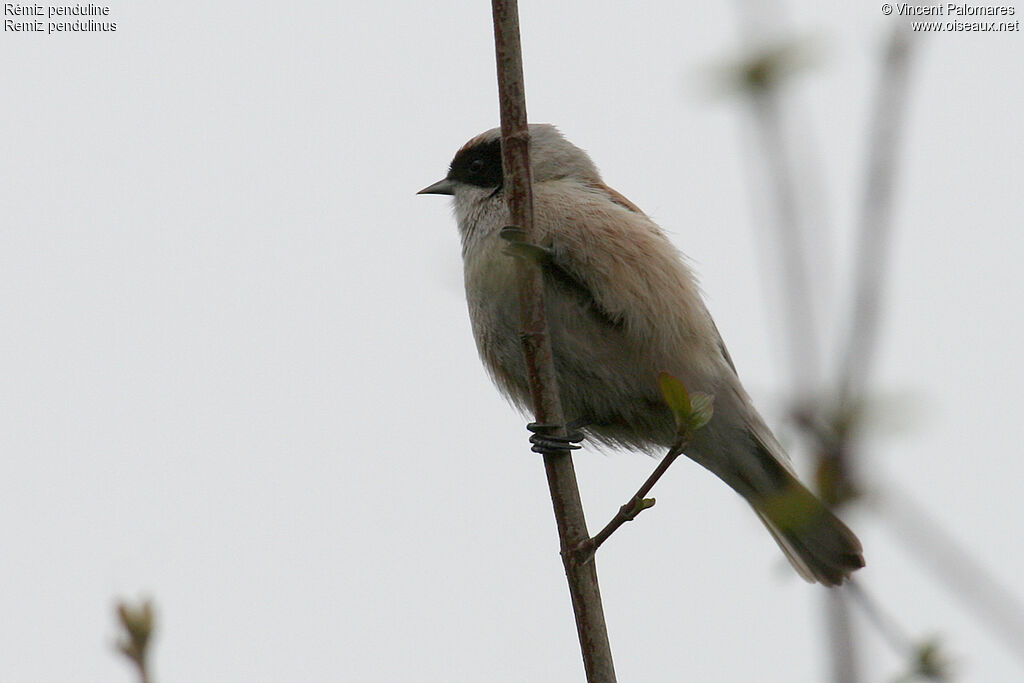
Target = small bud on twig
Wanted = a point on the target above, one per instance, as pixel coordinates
(137, 622)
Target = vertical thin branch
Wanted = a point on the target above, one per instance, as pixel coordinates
(840, 630)
(876, 213)
(836, 471)
(762, 78)
(803, 340)
(804, 349)
(565, 496)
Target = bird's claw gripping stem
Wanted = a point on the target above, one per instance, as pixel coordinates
(518, 246)
(546, 442)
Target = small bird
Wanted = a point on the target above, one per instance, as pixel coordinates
(622, 308)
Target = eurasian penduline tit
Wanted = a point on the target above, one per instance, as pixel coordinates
(623, 307)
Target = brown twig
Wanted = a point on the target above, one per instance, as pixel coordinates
(137, 626)
(565, 496)
(633, 507)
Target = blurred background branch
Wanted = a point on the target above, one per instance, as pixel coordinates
(992, 603)
(136, 622)
(829, 414)
(874, 234)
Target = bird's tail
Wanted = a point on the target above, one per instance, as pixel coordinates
(818, 545)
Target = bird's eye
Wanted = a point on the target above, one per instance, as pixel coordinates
(476, 166)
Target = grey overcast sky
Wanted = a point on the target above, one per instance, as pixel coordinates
(238, 375)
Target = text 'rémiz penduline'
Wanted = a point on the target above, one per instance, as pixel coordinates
(77, 18)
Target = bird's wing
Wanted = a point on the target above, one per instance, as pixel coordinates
(616, 197)
(724, 350)
(619, 258)
(559, 273)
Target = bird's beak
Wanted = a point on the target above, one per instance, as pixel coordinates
(440, 187)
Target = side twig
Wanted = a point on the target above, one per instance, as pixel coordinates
(691, 413)
(565, 496)
(629, 511)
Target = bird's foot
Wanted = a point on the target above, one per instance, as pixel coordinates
(546, 442)
(518, 246)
